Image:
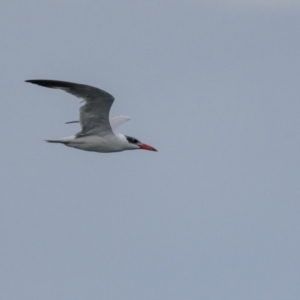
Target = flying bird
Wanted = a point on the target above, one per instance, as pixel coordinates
(97, 128)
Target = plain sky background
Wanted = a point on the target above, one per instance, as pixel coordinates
(214, 86)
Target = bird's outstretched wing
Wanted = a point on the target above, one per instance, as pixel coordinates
(117, 121)
(94, 114)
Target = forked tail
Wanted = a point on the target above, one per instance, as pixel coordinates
(65, 140)
(56, 141)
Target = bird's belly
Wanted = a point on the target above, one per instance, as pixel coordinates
(95, 144)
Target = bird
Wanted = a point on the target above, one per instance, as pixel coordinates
(98, 129)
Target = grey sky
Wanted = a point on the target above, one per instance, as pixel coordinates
(214, 214)
(267, 4)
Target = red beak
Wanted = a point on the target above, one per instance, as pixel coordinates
(146, 147)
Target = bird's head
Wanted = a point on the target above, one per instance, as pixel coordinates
(133, 143)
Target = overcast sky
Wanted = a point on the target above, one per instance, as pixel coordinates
(214, 86)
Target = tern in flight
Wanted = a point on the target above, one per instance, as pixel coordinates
(97, 128)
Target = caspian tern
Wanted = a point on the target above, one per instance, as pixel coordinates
(98, 129)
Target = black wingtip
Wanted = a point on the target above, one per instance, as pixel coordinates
(45, 82)
(71, 122)
(34, 80)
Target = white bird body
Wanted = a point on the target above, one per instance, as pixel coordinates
(98, 129)
(106, 144)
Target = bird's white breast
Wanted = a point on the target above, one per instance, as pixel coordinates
(111, 143)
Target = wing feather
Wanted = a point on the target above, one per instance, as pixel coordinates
(94, 114)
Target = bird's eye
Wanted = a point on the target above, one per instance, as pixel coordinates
(132, 140)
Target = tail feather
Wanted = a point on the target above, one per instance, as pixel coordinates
(56, 141)
(65, 140)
